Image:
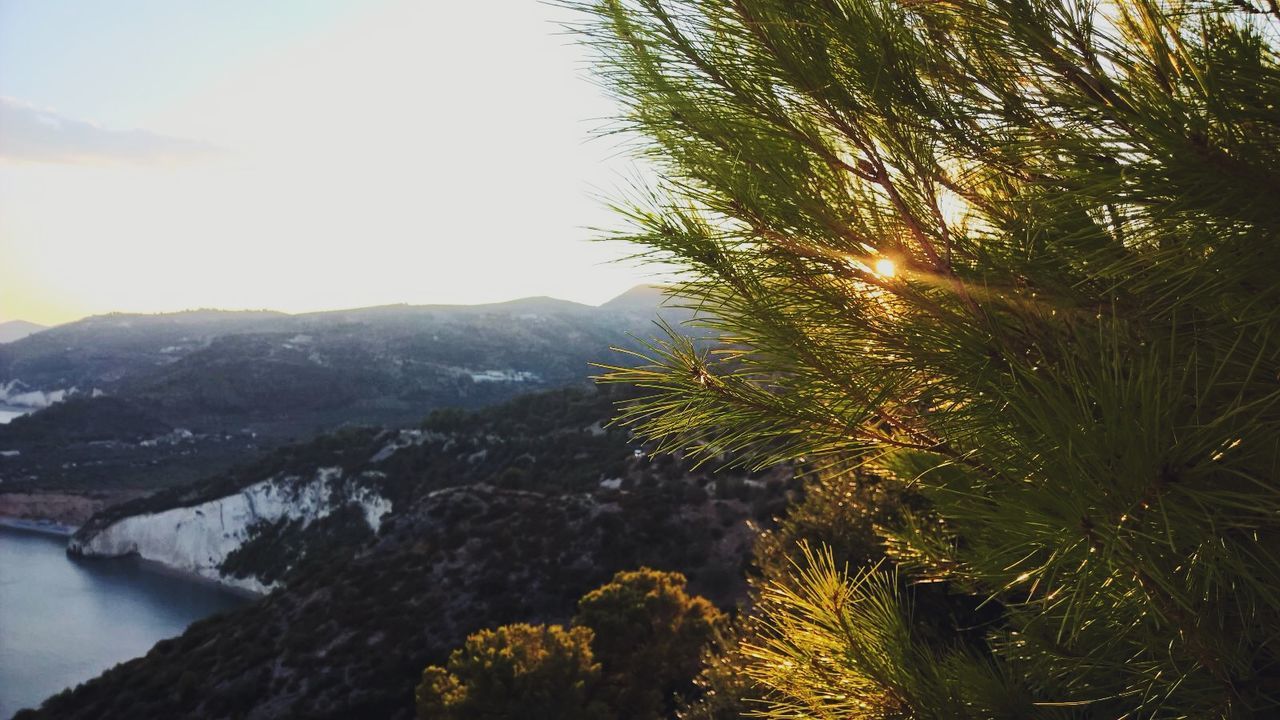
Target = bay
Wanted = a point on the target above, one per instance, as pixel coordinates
(65, 620)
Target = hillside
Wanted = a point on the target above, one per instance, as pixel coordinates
(146, 355)
(238, 382)
(471, 520)
(17, 329)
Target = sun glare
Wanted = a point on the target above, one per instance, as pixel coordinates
(885, 268)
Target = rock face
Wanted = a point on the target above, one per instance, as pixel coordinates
(199, 538)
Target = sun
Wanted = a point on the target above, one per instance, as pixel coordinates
(885, 268)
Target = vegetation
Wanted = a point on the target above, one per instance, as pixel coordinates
(1020, 257)
(545, 442)
(81, 419)
(245, 382)
(844, 511)
(635, 645)
(649, 634)
(540, 672)
(361, 614)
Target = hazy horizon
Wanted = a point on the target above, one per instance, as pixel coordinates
(181, 311)
(302, 156)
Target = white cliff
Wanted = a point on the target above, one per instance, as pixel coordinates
(199, 538)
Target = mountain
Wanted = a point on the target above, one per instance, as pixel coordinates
(372, 363)
(237, 382)
(639, 299)
(18, 329)
(385, 548)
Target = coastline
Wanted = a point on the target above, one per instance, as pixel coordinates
(48, 527)
(156, 566)
(44, 527)
(74, 620)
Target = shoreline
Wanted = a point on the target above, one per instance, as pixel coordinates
(44, 527)
(156, 566)
(162, 568)
(58, 530)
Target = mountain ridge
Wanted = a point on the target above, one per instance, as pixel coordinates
(14, 330)
(239, 381)
(215, 313)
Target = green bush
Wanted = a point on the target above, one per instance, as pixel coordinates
(537, 672)
(649, 635)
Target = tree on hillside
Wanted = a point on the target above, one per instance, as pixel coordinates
(540, 672)
(1020, 256)
(637, 641)
(649, 636)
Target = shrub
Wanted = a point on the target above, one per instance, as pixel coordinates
(538, 672)
(649, 636)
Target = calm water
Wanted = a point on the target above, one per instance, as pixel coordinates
(63, 620)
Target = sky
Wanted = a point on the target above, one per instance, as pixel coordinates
(161, 155)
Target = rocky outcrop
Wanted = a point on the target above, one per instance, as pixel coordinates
(199, 538)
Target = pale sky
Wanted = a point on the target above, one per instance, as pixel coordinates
(160, 155)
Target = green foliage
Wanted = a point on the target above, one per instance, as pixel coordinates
(540, 672)
(836, 646)
(360, 615)
(635, 645)
(649, 635)
(1020, 256)
(273, 550)
(843, 510)
(80, 420)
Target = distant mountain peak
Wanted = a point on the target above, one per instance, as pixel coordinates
(18, 329)
(544, 302)
(640, 297)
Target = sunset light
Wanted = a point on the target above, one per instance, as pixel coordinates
(639, 360)
(885, 268)
(324, 156)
